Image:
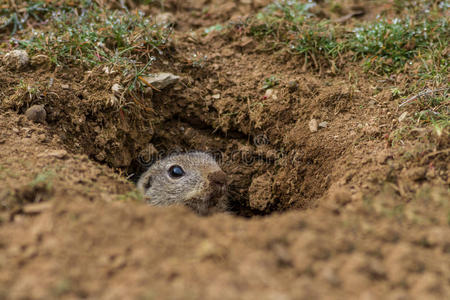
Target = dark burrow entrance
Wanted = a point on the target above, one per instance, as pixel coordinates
(275, 167)
(263, 178)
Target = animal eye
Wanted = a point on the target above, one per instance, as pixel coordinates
(176, 171)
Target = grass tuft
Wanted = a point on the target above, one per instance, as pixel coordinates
(385, 46)
(85, 34)
(388, 45)
(94, 36)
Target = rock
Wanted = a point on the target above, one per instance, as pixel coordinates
(313, 126)
(36, 113)
(16, 59)
(165, 18)
(323, 124)
(160, 80)
(292, 86)
(270, 93)
(216, 96)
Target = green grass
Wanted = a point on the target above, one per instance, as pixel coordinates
(428, 123)
(15, 20)
(319, 39)
(291, 24)
(87, 35)
(95, 37)
(388, 45)
(384, 46)
(291, 11)
(24, 13)
(414, 43)
(434, 110)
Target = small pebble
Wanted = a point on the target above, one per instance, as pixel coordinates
(270, 93)
(292, 86)
(16, 59)
(323, 124)
(159, 80)
(36, 113)
(313, 125)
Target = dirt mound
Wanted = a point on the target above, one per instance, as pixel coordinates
(125, 250)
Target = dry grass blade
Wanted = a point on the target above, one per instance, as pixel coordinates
(423, 93)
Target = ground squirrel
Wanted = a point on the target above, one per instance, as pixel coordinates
(193, 179)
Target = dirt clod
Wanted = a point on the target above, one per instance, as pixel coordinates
(313, 125)
(261, 192)
(16, 59)
(36, 113)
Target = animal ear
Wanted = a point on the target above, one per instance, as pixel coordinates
(148, 182)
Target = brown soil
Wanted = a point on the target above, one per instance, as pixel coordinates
(338, 213)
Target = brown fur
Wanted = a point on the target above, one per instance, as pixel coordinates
(202, 188)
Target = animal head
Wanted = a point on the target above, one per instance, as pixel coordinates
(193, 179)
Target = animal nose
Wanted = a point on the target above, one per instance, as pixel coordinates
(218, 178)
